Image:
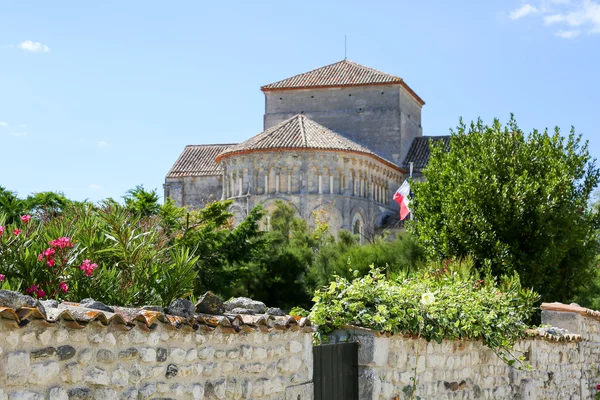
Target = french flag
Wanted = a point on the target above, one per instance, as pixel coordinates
(401, 197)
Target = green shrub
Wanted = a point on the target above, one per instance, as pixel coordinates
(449, 302)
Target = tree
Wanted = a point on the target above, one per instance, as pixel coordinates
(142, 202)
(514, 201)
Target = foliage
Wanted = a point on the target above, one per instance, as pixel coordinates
(514, 201)
(451, 301)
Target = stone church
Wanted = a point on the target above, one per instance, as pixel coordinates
(337, 142)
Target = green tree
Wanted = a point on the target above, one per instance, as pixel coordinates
(514, 201)
(142, 202)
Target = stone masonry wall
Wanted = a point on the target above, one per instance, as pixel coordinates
(564, 366)
(52, 361)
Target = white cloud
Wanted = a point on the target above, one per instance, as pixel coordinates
(101, 143)
(35, 47)
(523, 11)
(95, 187)
(568, 34)
(3, 124)
(579, 15)
(19, 134)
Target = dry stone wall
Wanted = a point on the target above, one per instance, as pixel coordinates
(52, 361)
(563, 365)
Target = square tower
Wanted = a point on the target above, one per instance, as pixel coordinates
(377, 110)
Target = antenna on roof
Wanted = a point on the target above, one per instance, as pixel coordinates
(345, 48)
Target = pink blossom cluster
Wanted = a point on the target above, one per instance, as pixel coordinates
(63, 287)
(61, 243)
(1, 230)
(87, 267)
(25, 218)
(2, 278)
(37, 291)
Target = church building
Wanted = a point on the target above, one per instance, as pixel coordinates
(337, 142)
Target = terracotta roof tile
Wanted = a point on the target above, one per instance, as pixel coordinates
(340, 74)
(77, 317)
(198, 160)
(299, 132)
(419, 150)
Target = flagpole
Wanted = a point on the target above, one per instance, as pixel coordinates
(410, 177)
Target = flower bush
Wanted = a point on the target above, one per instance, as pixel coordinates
(449, 302)
(104, 252)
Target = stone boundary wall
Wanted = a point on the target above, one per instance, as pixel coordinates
(67, 360)
(565, 366)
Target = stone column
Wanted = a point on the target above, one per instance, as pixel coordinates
(289, 181)
(277, 182)
(266, 181)
(330, 183)
(320, 184)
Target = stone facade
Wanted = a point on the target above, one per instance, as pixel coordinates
(351, 189)
(53, 361)
(383, 118)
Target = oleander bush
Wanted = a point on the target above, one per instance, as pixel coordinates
(446, 301)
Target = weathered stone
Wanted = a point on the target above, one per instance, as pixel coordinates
(65, 352)
(96, 376)
(16, 300)
(136, 373)
(46, 352)
(172, 371)
(80, 394)
(26, 396)
(17, 366)
(105, 394)
(210, 303)
(277, 312)
(85, 356)
(106, 356)
(147, 354)
(217, 389)
(181, 308)
(147, 390)
(120, 377)
(57, 393)
(198, 392)
(242, 311)
(206, 352)
(49, 303)
(178, 355)
(161, 354)
(128, 354)
(96, 305)
(295, 347)
(129, 394)
(245, 303)
(44, 373)
(154, 308)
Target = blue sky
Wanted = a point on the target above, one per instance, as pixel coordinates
(97, 97)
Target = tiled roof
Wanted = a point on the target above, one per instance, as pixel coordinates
(198, 160)
(419, 150)
(299, 132)
(75, 316)
(574, 308)
(341, 73)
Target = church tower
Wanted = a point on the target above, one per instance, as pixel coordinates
(376, 110)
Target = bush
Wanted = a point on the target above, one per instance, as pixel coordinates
(448, 302)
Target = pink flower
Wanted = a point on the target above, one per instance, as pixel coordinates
(597, 387)
(61, 243)
(41, 257)
(2, 278)
(25, 218)
(63, 287)
(32, 289)
(51, 263)
(40, 293)
(87, 267)
(1, 230)
(16, 232)
(49, 252)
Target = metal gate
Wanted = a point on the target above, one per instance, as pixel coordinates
(335, 374)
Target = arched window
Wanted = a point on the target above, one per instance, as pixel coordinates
(358, 227)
